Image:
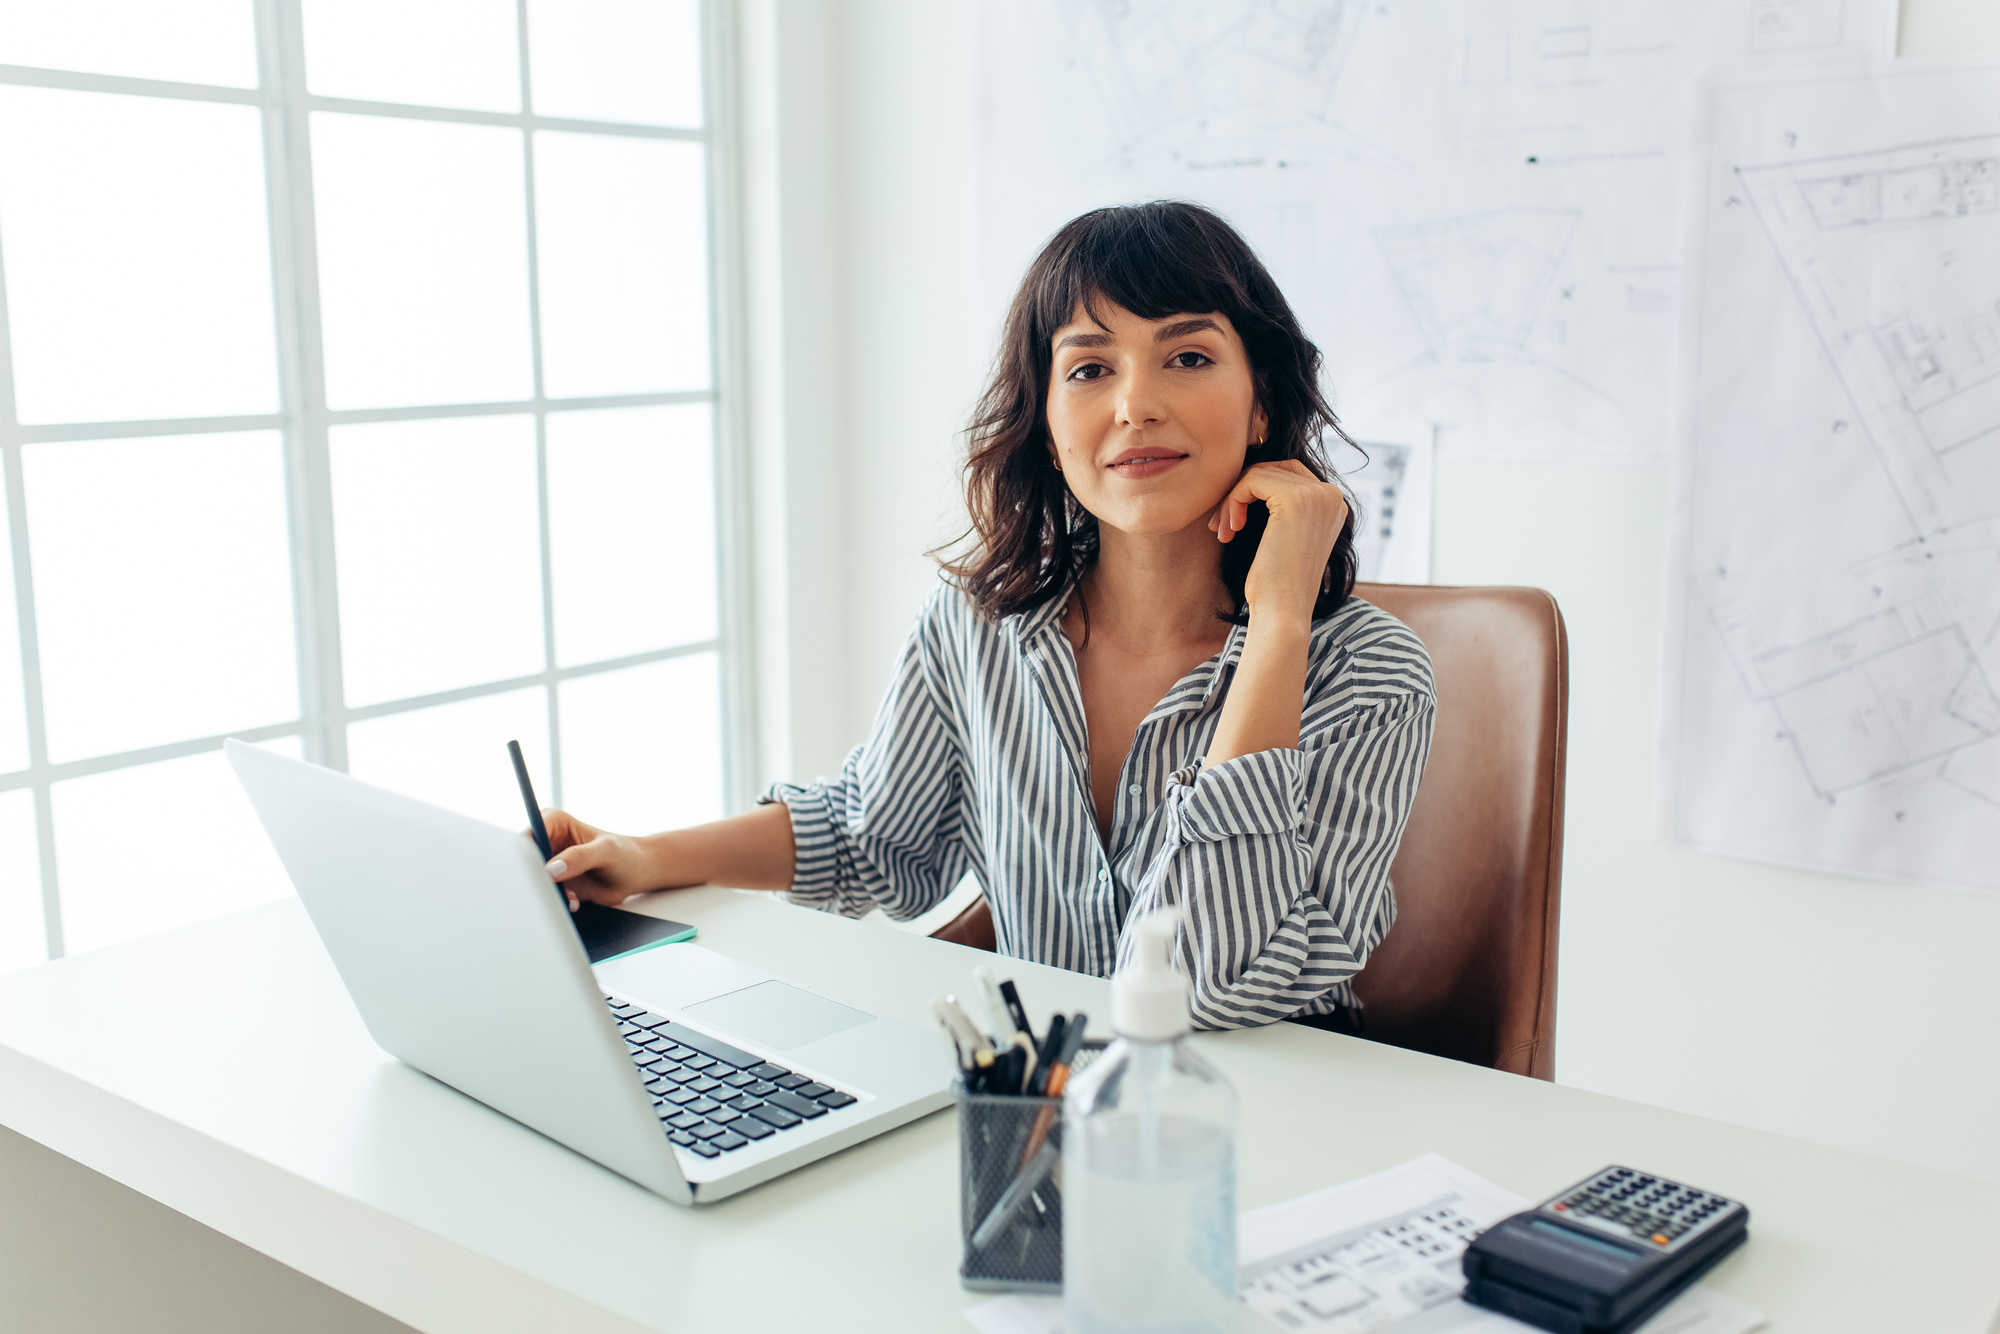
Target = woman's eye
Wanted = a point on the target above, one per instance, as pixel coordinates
(1090, 370)
(1188, 361)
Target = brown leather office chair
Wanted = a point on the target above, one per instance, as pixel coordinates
(1469, 969)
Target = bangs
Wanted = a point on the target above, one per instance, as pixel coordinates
(1154, 261)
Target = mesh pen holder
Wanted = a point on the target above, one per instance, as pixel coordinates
(1010, 1192)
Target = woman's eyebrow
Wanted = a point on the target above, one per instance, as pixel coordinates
(1084, 340)
(1182, 328)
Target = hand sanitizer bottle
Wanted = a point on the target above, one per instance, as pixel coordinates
(1149, 1164)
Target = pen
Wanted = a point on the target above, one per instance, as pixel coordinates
(1026, 1046)
(970, 1039)
(528, 795)
(1016, 1014)
(1005, 1076)
(1046, 1057)
(951, 1035)
(1054, 1083)
(1042, 1162)
(998, 1021)
(1072, 1042)
(541, 831)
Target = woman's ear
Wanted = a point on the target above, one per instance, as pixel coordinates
(1260, 426)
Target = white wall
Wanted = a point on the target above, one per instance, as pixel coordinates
(1852, 1012)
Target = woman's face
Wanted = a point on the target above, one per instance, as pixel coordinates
(1150, 419)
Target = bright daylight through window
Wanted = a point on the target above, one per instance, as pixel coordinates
(357, 399)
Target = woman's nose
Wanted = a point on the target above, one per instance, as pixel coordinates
(1140, 405)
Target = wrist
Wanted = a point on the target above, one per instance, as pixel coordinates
(666, 860)
(1279, 619)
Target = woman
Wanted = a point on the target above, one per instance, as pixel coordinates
(1146, 683)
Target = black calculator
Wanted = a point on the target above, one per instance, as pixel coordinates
(1604, 1255)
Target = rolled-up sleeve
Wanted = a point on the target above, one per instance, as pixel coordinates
(1281, 858)
(883, 833)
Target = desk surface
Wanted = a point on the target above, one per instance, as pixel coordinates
(222, 1070)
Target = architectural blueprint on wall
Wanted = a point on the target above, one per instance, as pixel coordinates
(1388, 480)
(1836, 699)
(1474, 205)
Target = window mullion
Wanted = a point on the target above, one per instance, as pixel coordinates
(302, 380)
(541, 408)
(30, 644)
(737, 670)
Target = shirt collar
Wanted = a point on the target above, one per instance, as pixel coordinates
(1030, 624)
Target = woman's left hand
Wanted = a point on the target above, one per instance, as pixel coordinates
(1306, 518)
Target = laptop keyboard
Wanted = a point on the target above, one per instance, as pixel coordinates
(711, 1097)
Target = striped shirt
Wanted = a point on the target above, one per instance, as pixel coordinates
(979, 761)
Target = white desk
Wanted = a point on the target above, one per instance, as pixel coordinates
(245, 1093)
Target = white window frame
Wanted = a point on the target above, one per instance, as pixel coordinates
(304, 420)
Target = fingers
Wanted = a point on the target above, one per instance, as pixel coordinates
(1274, 484)
(565, 829)
(578, 858)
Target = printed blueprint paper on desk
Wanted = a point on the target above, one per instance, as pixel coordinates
(1836, 699)
(1380, 1253)
(1475, 206)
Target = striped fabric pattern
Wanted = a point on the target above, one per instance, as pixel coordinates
(979, 761)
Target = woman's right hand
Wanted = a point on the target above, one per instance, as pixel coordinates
(592, 864)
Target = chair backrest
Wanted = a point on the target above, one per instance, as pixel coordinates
(1469, 969)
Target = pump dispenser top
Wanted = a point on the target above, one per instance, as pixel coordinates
(1149, 996)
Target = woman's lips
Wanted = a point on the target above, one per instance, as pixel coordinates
(1151, 465)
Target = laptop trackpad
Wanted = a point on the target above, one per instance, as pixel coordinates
(777, 1015)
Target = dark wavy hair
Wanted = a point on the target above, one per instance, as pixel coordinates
(1030, 539)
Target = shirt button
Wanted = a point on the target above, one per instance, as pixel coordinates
(1102, 875)
(1135, 789)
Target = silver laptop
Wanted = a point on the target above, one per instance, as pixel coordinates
(692, 1074)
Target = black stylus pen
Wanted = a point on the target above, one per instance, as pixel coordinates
(534, 810)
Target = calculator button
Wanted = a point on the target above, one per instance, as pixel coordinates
(1660, 1238)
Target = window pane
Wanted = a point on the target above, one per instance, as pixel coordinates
(23, 943)
(162, 589)
(623, 244)
(642, 747)
(158, 846)
(13, 706)
(438, 541)
(423, 261)
(442, 53)
(138, 269)
(455, 755)
(189, 41)
(631, 530)
(624, 60)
